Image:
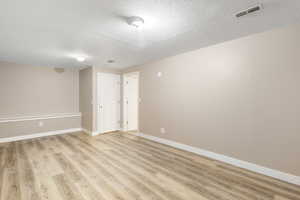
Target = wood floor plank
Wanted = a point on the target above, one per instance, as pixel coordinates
(28, 184)
(11, 159)
(2, 170)
(111, 188)
(151, 183)
(43, 169)
(121, 166)
(66, 188)
(11, 188)
(9, 182)
(92, 166)
(86, 188)
(114, 179)
(2, 158)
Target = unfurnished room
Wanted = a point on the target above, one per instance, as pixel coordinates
(150, 100)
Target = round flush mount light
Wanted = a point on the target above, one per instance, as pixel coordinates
(135, 21)
(80, 59)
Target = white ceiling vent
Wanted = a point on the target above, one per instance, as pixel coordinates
(250, 10)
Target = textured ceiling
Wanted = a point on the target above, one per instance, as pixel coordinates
(53, 32)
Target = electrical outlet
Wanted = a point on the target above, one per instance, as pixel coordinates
(41, 124)
(162, 130)
(159, 74)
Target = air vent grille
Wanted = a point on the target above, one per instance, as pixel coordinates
(249, 10)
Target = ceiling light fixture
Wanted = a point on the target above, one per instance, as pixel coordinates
(80, 59)
(135, 21)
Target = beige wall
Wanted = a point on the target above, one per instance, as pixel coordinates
(239, 98)
(32, 90)
(86, 97)
(37, 91)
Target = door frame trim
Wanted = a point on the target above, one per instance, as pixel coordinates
(124, 113)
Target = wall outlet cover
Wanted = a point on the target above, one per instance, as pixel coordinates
(41, 124)
(162, 130)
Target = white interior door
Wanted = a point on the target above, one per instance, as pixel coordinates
(131, 101)
(108, 102)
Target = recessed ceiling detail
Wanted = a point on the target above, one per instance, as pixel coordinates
(111, 61)
(53, 33)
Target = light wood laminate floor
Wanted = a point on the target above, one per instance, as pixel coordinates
(121, 166)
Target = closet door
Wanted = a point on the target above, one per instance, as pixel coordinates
(108, 99)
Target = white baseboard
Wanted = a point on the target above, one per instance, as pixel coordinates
(94, 133)
(37, 135)
(87, 131)
(226, 159)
